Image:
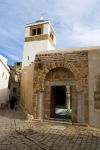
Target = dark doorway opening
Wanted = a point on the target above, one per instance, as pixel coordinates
(58, 106)
(60, 96)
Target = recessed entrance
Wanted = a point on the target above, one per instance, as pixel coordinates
(60, 102)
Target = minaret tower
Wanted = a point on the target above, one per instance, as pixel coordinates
(39, 36)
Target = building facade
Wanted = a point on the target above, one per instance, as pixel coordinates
(63, 84)
(14, 82)
(4, 79)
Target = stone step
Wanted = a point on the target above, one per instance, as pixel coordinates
(64, 122)
(58, 121)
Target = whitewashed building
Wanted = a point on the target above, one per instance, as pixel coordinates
(39, 36)
(4, 79)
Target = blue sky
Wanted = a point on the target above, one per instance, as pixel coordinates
(76, 23)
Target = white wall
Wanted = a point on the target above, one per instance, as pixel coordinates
(33, 47)
(50, 46)
(94, 71)
(4, 78)
(27, 31)
(46, 29)
(3, 59)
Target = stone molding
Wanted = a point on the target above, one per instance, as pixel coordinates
(39, 38)
(49, 66)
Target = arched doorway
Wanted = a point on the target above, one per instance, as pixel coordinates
(60, 94)
(61, 102)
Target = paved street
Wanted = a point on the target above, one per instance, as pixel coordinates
(16, 133)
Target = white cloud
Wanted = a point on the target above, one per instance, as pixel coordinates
(10, 34)
(10, 56)
(77, 22)
(86, 35)
(71, 10)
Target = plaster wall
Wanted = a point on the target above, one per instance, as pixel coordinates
(50, 46)
(27, 32)
(80, 107)
(94, 71)
(4, 79)
(26, 88)
(33, 47)
(3, 59)
(46, 29)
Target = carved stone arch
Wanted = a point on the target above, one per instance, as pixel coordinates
(48, 67)
(68, 66)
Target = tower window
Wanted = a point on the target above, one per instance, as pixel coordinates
(2, 74)
(51, 35)
(34, 32)
(38, 31)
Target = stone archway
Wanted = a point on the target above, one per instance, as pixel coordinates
(39, 86)
(52, 65)
(61, 80)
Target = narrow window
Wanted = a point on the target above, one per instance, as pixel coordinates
(28, 57)
(34, 32)
(51, 35)
(38, 31)
(6, 77)
(14, 90)
(18, 63)
(2, 74)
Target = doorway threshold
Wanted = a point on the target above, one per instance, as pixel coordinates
(60, 121)
(64, 122)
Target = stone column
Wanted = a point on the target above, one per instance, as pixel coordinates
(68, 97)
(40, 104)
(74, 103)
(80, 107)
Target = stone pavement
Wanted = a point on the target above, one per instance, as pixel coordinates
(16, 133)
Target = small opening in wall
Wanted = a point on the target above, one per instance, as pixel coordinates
(18, 63)
(34, 32)
(2, 74)
(51, 35)
(38, 31)
(28, 57)
(14, 90)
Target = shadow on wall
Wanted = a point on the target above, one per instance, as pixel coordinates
(4, 96)
(49, 138)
